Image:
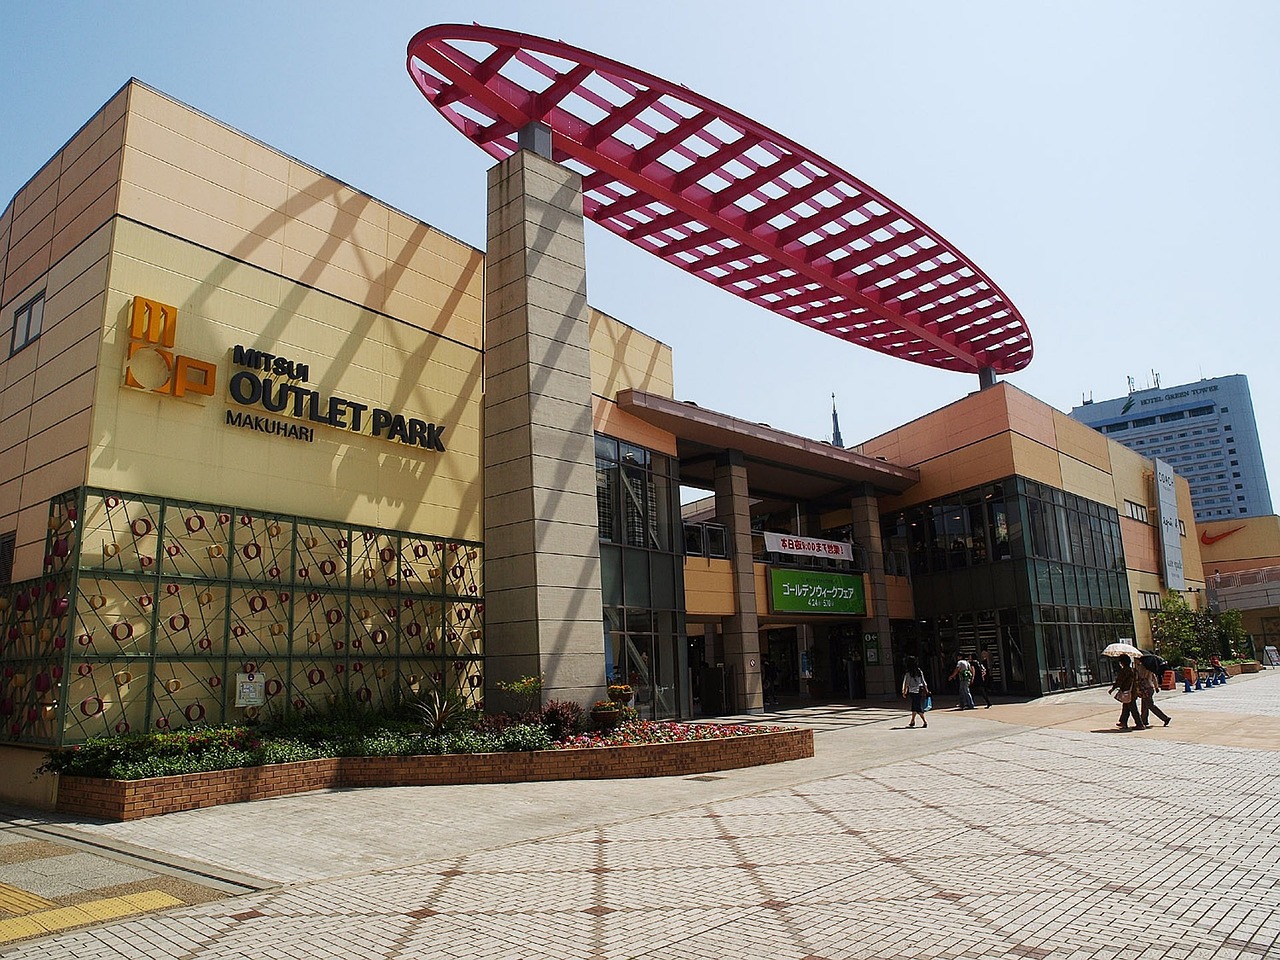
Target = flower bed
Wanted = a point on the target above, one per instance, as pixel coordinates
(636, 749)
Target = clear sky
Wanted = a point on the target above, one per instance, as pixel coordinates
(1113, 166)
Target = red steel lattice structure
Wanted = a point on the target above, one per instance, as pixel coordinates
(726, 199)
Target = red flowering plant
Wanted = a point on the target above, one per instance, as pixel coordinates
(662, 731)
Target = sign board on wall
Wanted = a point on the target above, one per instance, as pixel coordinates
(812, 591)
(1170, 535)
(807, 546)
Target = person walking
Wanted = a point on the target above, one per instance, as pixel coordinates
(1146, 680)
(1125, 689)
(982, 676)
(915, 687)
(964, 674)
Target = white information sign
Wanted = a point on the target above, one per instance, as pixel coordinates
(250, 690)
(807, 546)
(1170, 534)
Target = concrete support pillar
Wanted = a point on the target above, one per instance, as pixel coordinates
(741, 632)
(542, 556)
(866, 530)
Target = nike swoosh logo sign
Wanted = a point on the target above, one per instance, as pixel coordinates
(1209, 541)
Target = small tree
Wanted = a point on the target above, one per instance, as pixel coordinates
(1236, 644)
(1175, 628)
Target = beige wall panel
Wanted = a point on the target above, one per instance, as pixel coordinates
(209, 214)
(22, 364)
(74, 232)
(366, 262)
(334, 280)
(410, 240)
(708, 587)
(57, 441)
(183, 122)
(1085, 480)
(65, 386)
(138, 202)
(29, 253)
(88, 257)
(11, 462)
(77, 308)
(979, 415)
(1131, 474)
(45, 180)
(218, 159)
(979, 463)
(336, 211)
(14, 424)
(29, 542)
(1036, 461)
(81, 160)
(1028, 416)
(50, 480)
(452, 311)
(1081, 442)
(1141, 551)
(185, 449)
(85, 196)
(25, 280)
(34, 226)
(623, 357)
(15, 414)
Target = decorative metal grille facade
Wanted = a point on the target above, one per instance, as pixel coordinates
(149, 609)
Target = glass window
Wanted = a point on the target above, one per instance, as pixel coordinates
(28, 321)
(607, 500)
(717, 540)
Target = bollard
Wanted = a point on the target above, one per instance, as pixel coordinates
(1169, 681)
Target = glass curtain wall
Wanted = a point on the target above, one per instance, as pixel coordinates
(1032, 573)
(641, 576)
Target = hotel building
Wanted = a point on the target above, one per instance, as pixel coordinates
(1205, 430)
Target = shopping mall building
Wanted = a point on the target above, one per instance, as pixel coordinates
(270, 444)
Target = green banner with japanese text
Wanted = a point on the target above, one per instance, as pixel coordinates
(810, 591)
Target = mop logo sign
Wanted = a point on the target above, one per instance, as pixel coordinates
(151, 363)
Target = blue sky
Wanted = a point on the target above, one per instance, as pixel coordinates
(1111, 165)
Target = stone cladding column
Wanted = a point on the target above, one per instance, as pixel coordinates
(741, 632)
(542, 611)
(866, 531)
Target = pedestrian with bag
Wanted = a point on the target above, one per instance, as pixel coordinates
(982, 676)
(964, 674)
(916, 688)
(1146, 680)
(1125, 689)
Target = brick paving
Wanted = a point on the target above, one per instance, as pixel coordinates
(1026, 831)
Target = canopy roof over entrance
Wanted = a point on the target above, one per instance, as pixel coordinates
(780, 465)
(725, 198)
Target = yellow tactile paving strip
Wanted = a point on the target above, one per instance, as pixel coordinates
(17, 900)
(24, 914)
(94, 911)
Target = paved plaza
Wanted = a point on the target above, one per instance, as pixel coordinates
(1031, 830)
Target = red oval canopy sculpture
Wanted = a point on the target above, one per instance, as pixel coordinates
(726, 199)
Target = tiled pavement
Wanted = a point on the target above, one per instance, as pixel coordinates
(1027, 831)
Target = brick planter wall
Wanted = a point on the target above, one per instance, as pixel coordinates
(133, 799)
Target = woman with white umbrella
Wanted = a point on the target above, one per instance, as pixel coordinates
(1125, 687)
